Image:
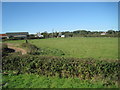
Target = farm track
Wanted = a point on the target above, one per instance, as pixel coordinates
(11, 46)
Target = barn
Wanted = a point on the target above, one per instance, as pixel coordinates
(18, 34)
(3, 36)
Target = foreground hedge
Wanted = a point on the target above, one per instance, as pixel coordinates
(60, 66)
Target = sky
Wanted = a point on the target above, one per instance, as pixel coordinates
(35, 17)
(60, 0)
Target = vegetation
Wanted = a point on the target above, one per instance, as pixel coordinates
(82, 33)
(84, 69)
(63, 63)
(97, 48)
(37, 81)
(77, 33)
(33, 50)
(5, 50)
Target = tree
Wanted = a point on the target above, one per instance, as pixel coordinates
(110, 31)
(45, 34)
(59, 34)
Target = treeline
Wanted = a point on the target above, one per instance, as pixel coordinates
(82, 33)
(77, 33)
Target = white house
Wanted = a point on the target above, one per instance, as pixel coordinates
(104, 33)
(63, 36)
(39, 35)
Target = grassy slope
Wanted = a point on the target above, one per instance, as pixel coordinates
(35, 81)
(106, 48)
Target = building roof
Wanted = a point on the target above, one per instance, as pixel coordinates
(20, 33)
(20, 36)
(3, 35)
(17, 33)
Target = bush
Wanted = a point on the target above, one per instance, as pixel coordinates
(34, 50)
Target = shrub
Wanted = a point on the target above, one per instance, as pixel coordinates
(34, 50)
(31, 48)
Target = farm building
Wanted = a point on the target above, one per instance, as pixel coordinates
(3, 36)
(18, 34)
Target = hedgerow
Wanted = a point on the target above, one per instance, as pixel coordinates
(60, 66)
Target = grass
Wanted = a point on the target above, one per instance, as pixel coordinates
(36, 81)
(77, 47)
(98, 48)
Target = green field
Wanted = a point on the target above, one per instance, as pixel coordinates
(98, 48)
(60, 56)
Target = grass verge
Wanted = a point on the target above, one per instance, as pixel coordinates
(36, 81)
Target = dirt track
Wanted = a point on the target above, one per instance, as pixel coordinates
(11, 46)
